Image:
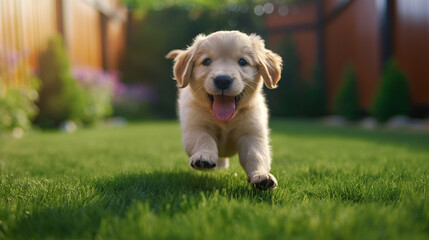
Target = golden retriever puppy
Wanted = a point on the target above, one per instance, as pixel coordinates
(221, 104)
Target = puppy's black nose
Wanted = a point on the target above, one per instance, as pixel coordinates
(223, 82)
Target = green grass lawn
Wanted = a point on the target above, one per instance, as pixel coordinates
(134, 182)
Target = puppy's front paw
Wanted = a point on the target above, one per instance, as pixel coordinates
(263, 181)
(201, 161)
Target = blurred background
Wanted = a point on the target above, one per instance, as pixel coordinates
(70, 63)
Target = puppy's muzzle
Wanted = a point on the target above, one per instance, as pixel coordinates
(223, 82)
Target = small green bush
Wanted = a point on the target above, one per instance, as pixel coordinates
(393, 97)
(98, 92)
(61, 98)
(347, 100)
(17, 107)
(315, 97)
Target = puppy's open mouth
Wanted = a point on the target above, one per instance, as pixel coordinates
(224, 106)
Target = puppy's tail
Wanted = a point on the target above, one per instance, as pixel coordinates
(173, 54)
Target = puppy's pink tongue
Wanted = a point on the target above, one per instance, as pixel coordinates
(223, 107)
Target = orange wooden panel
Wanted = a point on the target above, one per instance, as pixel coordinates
(85, 40)
(411, 45)
(115, 42)
(301, 14)
(25, 24)
(307, 48)
(305, 42)
(353, 38)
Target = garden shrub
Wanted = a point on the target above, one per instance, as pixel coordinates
(17, 98)
(61, 98)
(347, 99)
(314, 95)
(106, 95)
(393, 97)
(17, 107)
(98, 92)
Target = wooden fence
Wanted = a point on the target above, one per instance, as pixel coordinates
(93, 31)
(353, 34)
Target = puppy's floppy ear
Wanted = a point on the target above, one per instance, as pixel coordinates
(183, 64)
(271, 68)
(270, 64)
(173, 54)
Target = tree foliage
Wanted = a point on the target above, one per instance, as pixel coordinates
(143, 6)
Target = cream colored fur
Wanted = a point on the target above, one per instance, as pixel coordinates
(208, 141)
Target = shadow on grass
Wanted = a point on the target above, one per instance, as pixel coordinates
(409, 139)
(165, 192)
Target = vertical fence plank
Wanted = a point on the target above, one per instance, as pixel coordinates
(2, 46)
(26, 26)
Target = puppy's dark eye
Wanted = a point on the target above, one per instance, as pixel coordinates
(207, 62)
(242, 62)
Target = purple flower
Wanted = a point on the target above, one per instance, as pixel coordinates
(93, 77)
(134, 92)
(97, 79)
(11, 58)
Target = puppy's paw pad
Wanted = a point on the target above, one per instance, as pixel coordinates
(265, 184)
(263, 181)
(201, 162)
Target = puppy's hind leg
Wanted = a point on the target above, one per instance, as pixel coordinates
(201, 149)
(222, 163)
